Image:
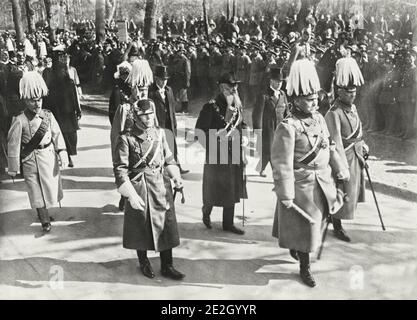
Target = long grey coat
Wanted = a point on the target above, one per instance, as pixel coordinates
(154, 228)
(342, 123)
(40, 167)
(311, 186)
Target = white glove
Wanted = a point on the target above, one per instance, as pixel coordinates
(136, 202)
(12, 173)
(287, 203)
(63, 159)
(343, 175)
(178, 182)
(127, 190)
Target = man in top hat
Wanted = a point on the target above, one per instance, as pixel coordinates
(257, 70)
(303, 158)
(271, 108)
(36, 145)
(345, 129)
(164, 101)
(219, 129)
(143, 166)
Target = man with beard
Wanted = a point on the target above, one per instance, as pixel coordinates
(143, 166)
(219, 129)
(345, 129)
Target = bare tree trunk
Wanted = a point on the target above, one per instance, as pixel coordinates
(306, 5)
(111, 6)
(205, 19)
(227, 10)
(100, 22)
(17, 19)
(234, 8)
(48, 19)
(30, 13)
(150, 19)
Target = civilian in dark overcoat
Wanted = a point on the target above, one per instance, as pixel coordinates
(219, 125)
(269, 111)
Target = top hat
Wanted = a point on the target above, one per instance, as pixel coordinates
(276, 74)
(229, 78)
(161, 72)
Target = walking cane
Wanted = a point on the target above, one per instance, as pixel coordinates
(243, 220)
(373, 193)
(323, 239)
(329, 219)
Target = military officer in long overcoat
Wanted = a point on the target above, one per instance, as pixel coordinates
(303, 161)
(270, 109)
(345, 129)
(143, 166)
(219, 129)
(35, 141)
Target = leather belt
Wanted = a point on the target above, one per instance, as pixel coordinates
(44, 146)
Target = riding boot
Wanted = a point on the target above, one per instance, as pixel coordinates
(167, 268)
(338, 230)
(44, 219)
(305, 272)
(145, 265)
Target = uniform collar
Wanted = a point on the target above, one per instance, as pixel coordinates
(344, 106)
(31, 115)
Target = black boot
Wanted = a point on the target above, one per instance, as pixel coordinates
(44, 219)
(228, 216)
(305, 272)
(167, 269)
(182, 171)
(293, 253)
(206, 216)
(145, 265)
(184, 105)
(122, 203)
(338, 230)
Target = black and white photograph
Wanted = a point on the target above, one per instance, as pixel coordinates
(208, 150)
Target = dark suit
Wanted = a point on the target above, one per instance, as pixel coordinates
(269, 111)
(165, 114)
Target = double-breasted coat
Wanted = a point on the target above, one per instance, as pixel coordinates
(268, 112)
(40, 168)
(303, 161)
(345, 129)
(154, 228)
(224, 182)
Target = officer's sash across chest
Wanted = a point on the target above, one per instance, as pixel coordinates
(147, 147)
(312, 130)
(355, 126)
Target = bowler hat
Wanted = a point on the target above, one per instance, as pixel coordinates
(161, 72)
(229, 78)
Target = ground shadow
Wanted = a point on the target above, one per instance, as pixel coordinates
(89, 172)
(96, 126)
(219, 272)
(97, 147)
(407, 171)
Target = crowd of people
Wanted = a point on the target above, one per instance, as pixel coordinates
(301, 81)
